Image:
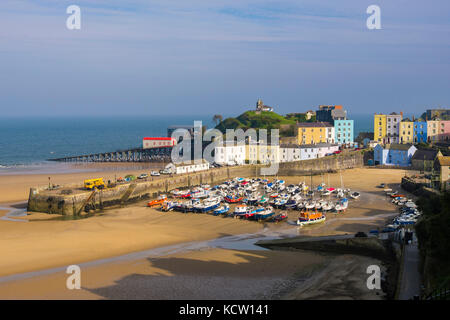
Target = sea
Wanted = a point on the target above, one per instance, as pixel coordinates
(27, 143)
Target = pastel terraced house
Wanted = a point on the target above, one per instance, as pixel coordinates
(379, 128)
(393, 127)
(406, 131)
(394, 154)
(315, 132)
(433, 130)
(444, 131)
(420, 131)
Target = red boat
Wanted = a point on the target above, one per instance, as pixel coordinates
(233, 199)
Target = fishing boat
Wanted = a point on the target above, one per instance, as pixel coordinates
(180, 193)
(318, 205)
(328, 206)
(252, 199)
(233, 199)
(221, 210)
(240, 210)
(310, 218)
(263, 200)
(291, 204)
(355, 195)
(341, 205)
(207, 205)
(279, 202)
(251, 213)
(200, 194)
(274, 195)
(340, 193)
(186, 206)
(157, 201)
(301, 205)
(310, 193)
(168, 205)
(310, 205)
(280, 217)
(265, 214)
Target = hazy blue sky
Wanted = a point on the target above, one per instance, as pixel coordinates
(188, 57)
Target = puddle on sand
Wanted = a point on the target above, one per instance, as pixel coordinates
(13, 212)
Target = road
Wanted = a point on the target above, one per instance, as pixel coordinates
(410, 281)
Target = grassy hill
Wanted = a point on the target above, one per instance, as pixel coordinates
(263, 120)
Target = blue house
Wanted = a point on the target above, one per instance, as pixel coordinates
(420, 131)
(394, 154)
(343, 131)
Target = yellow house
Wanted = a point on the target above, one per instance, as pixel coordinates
(433, 130)
(379, 128)
(314, 132)
(406, 131)
(256, 152)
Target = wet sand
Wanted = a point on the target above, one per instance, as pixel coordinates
(48, 242)
(211, 274)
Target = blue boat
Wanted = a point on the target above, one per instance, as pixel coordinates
(263, 215)
(290, 204)
(221, 210)
(206, 206)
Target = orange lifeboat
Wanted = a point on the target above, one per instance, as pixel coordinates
(158, 201)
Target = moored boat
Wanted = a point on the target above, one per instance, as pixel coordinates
(221, 210)
(310, 218)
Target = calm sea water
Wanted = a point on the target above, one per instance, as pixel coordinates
(31, 141)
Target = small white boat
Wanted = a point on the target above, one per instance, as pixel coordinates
(327, 206)
(310, 205)
(355, 195)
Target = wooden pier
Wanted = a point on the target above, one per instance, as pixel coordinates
(130, 155)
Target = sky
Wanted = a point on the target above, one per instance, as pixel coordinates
(163, 57)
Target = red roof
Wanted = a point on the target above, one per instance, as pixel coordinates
(158, 138)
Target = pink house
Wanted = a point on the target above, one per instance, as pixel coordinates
(444, 130)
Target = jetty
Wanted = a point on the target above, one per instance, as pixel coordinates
(128, 155)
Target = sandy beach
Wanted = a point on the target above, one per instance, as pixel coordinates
(47, 241)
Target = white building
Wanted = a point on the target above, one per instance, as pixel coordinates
(229, 153)
(290, 152)
(293, 152)
(187, 167)
(308, 151)
(326, 148)
(330, 132)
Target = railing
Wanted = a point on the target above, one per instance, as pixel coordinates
(438, 294)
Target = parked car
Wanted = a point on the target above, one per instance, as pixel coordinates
(164, 171)
(143, 176)
(154, 173)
